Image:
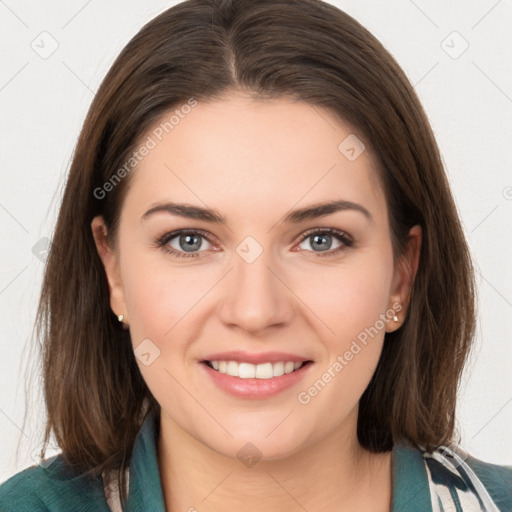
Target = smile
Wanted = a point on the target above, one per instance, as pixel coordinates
(255, 371)
(250, 381)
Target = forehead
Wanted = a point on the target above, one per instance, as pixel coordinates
(240, 152)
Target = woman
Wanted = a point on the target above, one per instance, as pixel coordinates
(202, 350)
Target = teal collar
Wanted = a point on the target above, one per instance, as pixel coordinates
(145, 490)
(410, 484)
(411, 492)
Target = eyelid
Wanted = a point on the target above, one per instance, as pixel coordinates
(345, 239)
(171, 235)
(331, 231)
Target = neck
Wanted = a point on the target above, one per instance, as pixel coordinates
(333, 474)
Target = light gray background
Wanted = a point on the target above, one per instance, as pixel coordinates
(467, 96)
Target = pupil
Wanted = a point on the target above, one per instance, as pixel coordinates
(191, 242)
(320, 239)
(188, 243)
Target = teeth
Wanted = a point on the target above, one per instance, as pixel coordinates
(258, 371)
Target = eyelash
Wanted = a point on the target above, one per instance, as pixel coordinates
(340, 235)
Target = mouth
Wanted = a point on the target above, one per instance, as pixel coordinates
(254, 381)
(263, 371)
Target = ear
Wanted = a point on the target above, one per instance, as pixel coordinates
(403, 278)
(111, 264)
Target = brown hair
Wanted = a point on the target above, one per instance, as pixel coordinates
(95, 396)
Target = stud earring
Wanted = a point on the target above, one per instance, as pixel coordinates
(395, 318)
(124, 325)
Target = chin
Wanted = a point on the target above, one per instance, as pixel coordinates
(251, 449)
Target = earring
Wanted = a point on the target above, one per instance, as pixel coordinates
(395, 318)
(124, 325)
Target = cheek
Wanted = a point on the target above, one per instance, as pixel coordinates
(160, 307)
(157, 302)
(351, 306)
(158, 297)
(351, 298)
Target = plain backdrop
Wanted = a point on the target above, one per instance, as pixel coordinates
(457, 55)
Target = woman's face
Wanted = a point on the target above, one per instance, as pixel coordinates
(272, 277)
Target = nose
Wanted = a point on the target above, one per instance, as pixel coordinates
(256, 296)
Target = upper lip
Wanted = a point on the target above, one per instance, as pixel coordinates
(262, 357)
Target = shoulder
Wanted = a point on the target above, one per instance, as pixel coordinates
(496, 479)
(52, 488)
(19, 491)
(473, 481)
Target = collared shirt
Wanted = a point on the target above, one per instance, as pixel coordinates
(443, 480)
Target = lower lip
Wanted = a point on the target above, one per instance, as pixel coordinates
(255, 388)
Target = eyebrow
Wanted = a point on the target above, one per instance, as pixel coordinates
(209, 215)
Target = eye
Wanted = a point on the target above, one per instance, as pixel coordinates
(185, 243)
(322, 239)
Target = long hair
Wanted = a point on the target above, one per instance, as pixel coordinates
(95, 396)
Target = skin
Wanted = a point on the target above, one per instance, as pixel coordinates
(254, 161)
